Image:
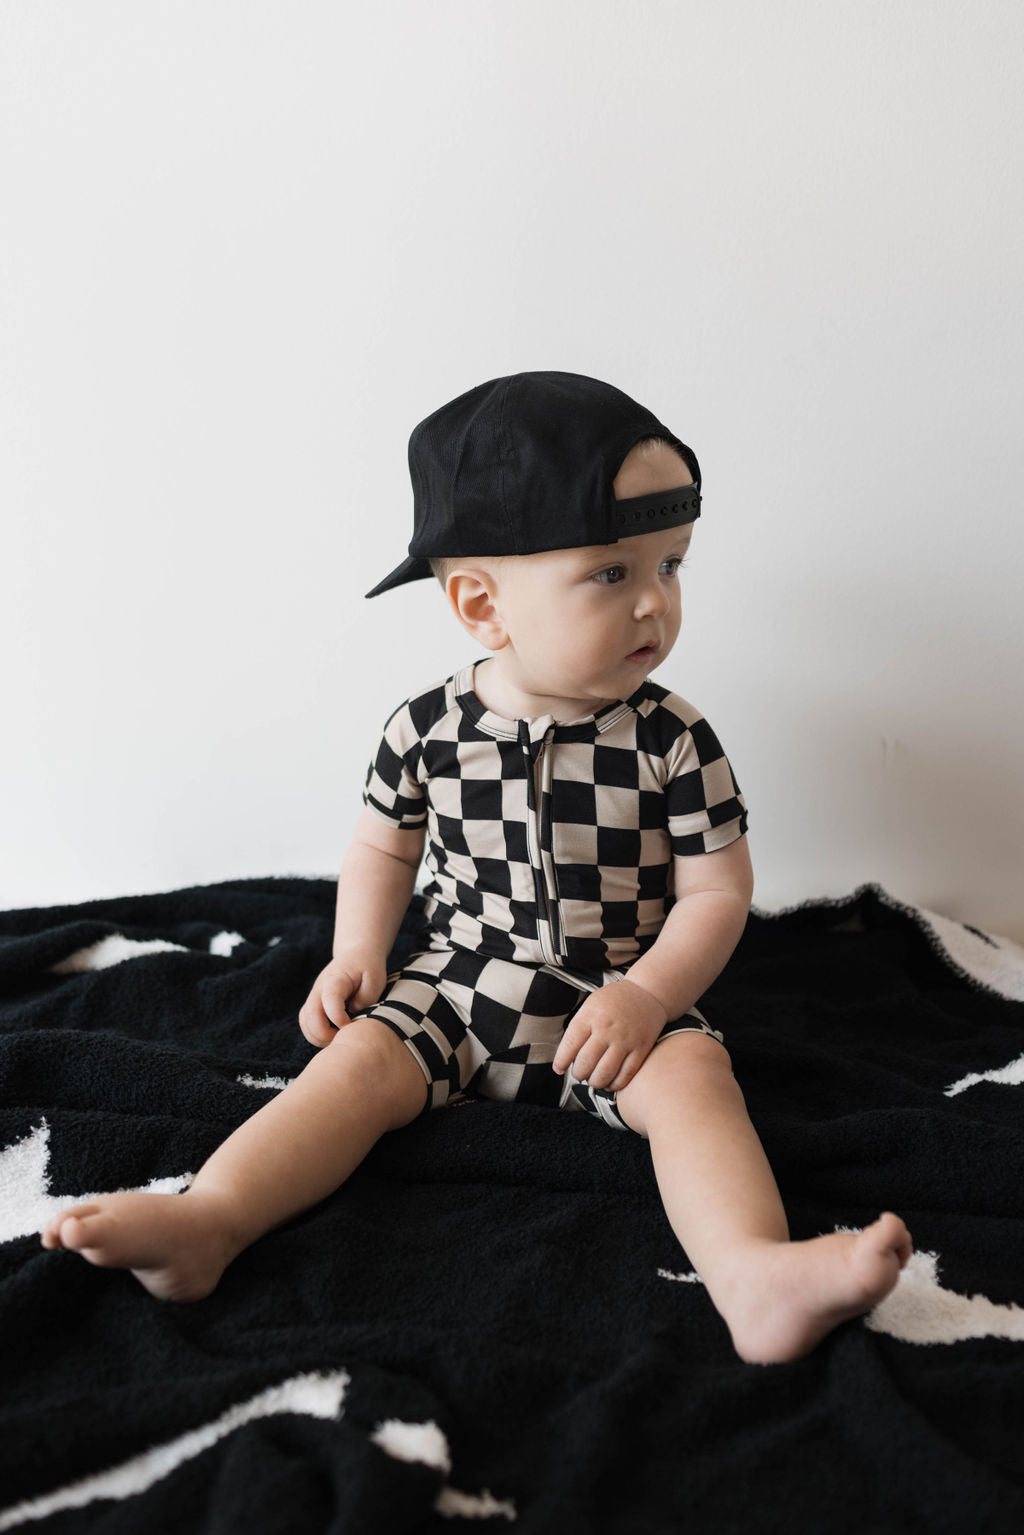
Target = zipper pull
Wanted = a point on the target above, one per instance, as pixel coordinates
(533, 735)
(533, 746)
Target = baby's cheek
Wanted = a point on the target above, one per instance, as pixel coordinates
(583, 643)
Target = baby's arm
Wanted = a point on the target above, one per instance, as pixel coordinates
(616, 1028)
(374, 887)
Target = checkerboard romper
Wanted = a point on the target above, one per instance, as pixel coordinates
(550, 849)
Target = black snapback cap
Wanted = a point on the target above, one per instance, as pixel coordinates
(525, 463)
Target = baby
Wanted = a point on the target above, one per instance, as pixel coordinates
(589, 880)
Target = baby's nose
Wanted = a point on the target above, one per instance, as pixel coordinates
(652, 600)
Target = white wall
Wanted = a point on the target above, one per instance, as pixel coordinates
(247, 246)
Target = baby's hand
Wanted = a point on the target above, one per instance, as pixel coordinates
(611, 1035)
(350, 983)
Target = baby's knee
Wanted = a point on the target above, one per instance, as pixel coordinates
(678, 1066)
(370, 1053)
(364, 1039)
(691, 1051)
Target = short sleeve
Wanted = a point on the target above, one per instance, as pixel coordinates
(705, 808)
(392, 787)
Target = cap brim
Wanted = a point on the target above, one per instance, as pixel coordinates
(412, 569)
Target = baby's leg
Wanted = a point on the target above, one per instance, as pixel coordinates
(292, 1153)
(778, 1297)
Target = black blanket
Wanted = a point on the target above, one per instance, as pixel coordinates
(491, 1324)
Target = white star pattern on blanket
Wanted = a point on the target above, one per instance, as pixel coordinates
(919, 1310)
(317, 1396)
(128, 1055)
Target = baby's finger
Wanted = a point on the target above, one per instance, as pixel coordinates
(315, 1024)
(334, 996)
(367, 992)
(607, 1069)
(627, 1071)
(575, 1036)
(588, 1059)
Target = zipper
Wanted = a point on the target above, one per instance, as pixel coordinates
(534, 755)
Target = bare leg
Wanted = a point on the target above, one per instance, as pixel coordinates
(291, 1154)
(778, 1297)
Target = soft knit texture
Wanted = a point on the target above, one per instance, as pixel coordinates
(485, 1327)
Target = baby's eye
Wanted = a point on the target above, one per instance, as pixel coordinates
(669, 567)
(612, 576)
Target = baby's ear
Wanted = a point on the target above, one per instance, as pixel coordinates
(473, 597)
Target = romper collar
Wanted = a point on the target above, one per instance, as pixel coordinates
(583, 729)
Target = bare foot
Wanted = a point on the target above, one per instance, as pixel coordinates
(792, 1293)
(177, 1245)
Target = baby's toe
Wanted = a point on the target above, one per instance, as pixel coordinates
(57, 1231)
(81, 1228)
(893, 1236)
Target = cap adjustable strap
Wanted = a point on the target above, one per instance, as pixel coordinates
(669, 508)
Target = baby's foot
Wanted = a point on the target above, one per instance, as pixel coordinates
(793, 1293)
(177, 1245)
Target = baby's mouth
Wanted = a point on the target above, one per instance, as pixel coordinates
(645, 653)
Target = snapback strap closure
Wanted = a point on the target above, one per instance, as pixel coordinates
(669, 508)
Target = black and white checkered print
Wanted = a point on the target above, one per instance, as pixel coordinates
(550, 848)
(552, 844)
(492, 1027)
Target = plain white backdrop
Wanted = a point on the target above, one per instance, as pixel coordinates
(247, 244)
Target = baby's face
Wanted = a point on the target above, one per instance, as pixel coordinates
(590, 624)
(585, 626)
